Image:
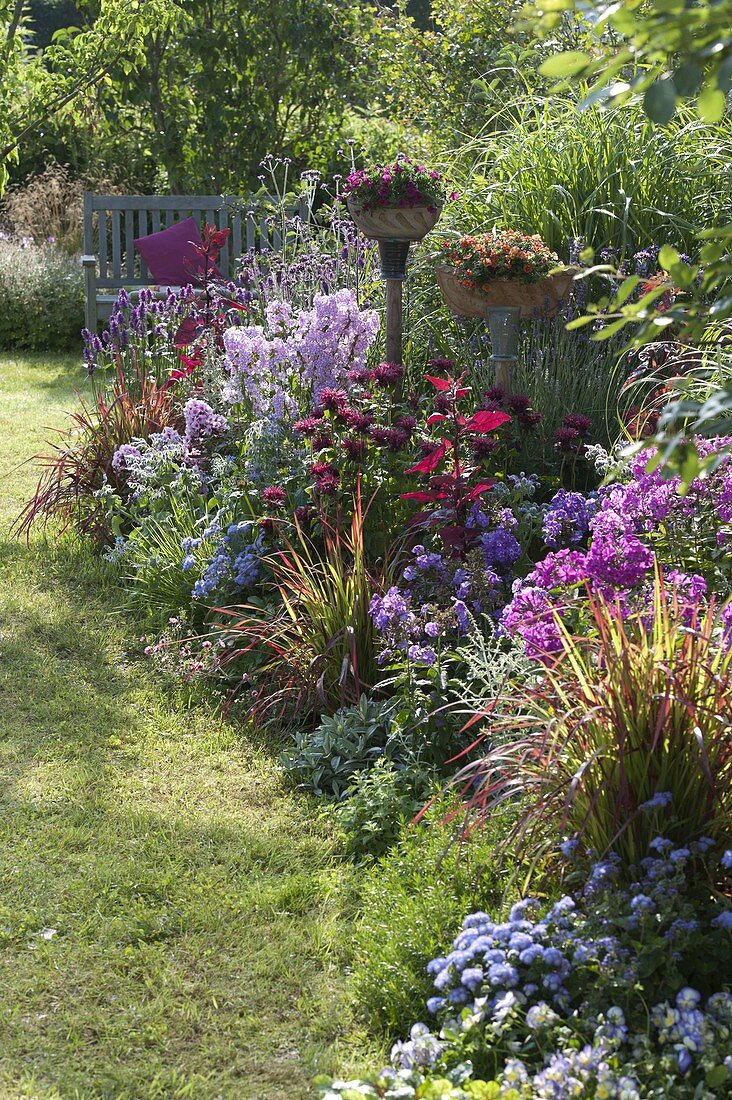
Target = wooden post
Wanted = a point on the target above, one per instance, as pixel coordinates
(393, 254)
(393, 320)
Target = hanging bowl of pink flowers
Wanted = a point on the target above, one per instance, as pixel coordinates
(499, 270)
(395, 202)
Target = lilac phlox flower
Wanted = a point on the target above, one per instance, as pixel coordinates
(501, 549)
(124, 457)
(726, 860)
(422, 655)
(723, 920)
(567, 519)
(392, 607)
(201, 421)
(462, 615)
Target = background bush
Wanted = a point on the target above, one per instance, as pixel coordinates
(41, 297)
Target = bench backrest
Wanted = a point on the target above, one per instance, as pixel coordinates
(112, 222)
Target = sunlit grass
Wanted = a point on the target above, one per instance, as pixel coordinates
(173, 923)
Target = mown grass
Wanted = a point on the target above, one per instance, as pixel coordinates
(173, 923)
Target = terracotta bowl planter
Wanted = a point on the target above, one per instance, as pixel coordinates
(394, 223)
(543, 298)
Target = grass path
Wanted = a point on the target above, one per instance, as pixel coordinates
(172, 922)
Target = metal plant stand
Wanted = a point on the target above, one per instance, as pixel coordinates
(503, 325)
(394, 229)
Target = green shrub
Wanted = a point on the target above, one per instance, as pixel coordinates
(326, 759)
(413, 903)
(380, 802)
(41, 297)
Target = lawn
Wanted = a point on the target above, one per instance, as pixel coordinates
(173, 923)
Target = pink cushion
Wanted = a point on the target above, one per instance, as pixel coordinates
(171, 257)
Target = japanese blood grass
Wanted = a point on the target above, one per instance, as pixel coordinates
(609, 176)
(319, 639)
(639, 707)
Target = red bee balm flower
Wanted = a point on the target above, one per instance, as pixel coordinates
(274, 497)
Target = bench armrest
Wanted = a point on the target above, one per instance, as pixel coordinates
(88, 261)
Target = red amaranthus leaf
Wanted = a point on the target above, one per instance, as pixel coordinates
(423, 497)
(430, 462)
(442, 384)
(486, 421)
(478, 490)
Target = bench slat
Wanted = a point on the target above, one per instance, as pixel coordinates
(129, 244)
(142, 232)
(103, 244)
(116, 246)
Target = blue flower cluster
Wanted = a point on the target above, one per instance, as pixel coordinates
(497, 966)
(235, 563)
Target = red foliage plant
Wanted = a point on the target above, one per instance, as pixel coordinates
(452, 492)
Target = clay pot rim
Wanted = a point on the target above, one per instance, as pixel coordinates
(561, 274)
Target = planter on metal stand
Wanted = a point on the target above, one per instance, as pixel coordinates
(394, 229)
(503, 301)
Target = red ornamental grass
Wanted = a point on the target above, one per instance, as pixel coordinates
(319, 646)
(640, 707)
(81, 455)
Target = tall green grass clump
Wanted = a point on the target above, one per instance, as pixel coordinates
(611, 177)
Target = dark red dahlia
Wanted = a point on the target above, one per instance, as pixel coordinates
(439, 362)
(406, 423)
(483, 445)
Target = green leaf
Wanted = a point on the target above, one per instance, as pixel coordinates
(565, 64)
(724, 75)
(711, 104)
(659, 102)
(716, 1076)
(688, 78)
(626, 289)
(667, 257)
(580, 322)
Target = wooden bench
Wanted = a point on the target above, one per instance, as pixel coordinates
(112, 222)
